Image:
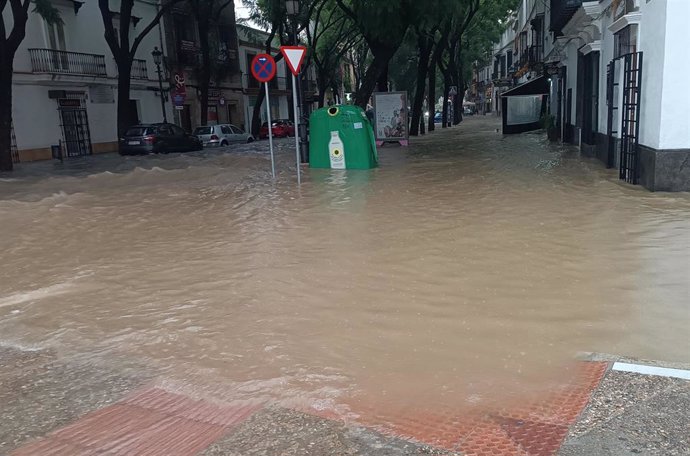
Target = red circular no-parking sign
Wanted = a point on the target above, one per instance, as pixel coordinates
(263, 67)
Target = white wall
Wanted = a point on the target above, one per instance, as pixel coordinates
(674, 122)
(652, 42)
(605, 57)
(571, 81)
(36, 118)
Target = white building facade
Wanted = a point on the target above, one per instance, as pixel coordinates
(65, 83)
(623, 94)
(616, 80)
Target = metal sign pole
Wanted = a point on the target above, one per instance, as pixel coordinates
(270, 132)
(294, 101)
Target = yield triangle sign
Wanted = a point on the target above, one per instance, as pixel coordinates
(294, 56)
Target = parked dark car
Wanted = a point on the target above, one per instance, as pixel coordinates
(281, 128)
(160, 138)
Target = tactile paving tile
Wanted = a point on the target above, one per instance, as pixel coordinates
(152, 422)
(535, 427)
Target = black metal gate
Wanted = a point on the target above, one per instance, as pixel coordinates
(630, 131)
(612, 104)
(76, 136)
(13, 146)
(627, 124)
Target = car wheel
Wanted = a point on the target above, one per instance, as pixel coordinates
(250, 140)
(223, 143)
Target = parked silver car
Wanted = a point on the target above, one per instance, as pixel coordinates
(222, 135)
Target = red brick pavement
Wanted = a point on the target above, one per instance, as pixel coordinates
(153, 422)
(159, 423)
(535, 427)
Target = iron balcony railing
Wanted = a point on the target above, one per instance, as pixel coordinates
(52, 61)
(139, 69)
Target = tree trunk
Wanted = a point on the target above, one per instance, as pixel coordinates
(124, 81)
(6, 111)
(382, 82)
(457, 100)
(371, 77)
(432, 96)
(256, 114)
(422, 70)
(322, 83)
(446, 89)
(204, 72)
(336, 95)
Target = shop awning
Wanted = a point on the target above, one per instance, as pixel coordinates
(537, 86)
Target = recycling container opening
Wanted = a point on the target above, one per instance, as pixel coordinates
(341, 137)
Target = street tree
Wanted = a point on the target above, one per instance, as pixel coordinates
(383, 25)
(124, 49)
(478, 42)
(478, 23)
(331, 34)
(430, 32)
(208, 15)
(360, 57)
(10, 39)
(272, 15)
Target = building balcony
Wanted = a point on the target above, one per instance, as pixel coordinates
(524, 58)
(535, 55)
(51, 61)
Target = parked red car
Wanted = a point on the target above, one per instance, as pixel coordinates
(281, 128)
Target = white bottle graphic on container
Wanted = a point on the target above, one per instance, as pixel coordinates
(336, 150)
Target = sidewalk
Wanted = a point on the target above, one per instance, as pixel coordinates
(80, 407)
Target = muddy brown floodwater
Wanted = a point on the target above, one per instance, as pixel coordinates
(471, 266)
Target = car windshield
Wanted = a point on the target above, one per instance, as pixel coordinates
(139, 131)
(202, 131)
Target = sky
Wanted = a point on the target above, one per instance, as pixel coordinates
(241, 11)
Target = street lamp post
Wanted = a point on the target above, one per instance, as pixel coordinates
(292, 8)
(158, 59)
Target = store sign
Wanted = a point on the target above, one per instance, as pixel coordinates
(214, 96)
(179, 90)
(69, 103)
(187, 46)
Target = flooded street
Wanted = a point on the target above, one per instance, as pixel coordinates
(468, 268)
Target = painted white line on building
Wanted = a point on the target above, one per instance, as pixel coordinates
(652, 370)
